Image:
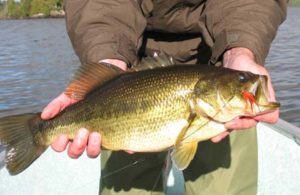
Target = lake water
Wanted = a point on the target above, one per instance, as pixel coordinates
(37, 61)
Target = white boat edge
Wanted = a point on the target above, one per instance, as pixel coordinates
(55, 173)
(285, 128)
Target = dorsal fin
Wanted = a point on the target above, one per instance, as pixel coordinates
(155, 61)
(88, 77)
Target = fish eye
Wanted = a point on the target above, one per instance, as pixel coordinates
(243, 77)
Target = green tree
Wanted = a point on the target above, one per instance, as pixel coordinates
(294, 2)
(42, 6)
(26, 6)
(14, 9)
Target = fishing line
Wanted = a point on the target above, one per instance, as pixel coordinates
(187, 136)
(208, 119)
(156, 182)
(142, 159)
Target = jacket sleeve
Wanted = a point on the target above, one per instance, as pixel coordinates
(243, 23)
(102, 29)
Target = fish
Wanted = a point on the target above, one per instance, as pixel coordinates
(154, 107)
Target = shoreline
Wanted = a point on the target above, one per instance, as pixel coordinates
(61, 14)
(32, 17)
(52, 14)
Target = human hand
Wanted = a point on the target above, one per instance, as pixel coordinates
(243, 59)
(83, 139)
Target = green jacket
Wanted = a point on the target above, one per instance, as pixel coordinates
(101, 29)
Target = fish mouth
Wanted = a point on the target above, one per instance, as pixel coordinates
(254, 87)
(258, 98)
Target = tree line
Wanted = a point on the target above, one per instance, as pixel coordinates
(294, 2)
(30, 8)
(45, 8)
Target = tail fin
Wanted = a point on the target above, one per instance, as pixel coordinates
(20, 141)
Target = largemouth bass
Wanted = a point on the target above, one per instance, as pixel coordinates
(145, 110)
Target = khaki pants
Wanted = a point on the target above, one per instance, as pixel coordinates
(226, 168)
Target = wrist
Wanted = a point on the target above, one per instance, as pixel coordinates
(237, 53)
(118, 63)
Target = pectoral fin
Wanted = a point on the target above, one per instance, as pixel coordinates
(182, 133)
(184, 154)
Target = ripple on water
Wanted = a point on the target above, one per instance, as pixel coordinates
(284, 64)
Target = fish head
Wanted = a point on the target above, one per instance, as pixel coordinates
(229, 94)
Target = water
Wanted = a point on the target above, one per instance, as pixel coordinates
(284, 64)
(37, 60)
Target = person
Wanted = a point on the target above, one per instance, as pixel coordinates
(234, 34)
